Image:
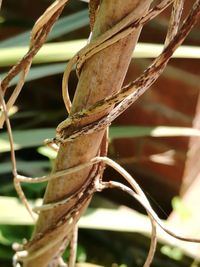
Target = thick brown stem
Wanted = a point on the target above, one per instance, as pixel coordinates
(101, 76)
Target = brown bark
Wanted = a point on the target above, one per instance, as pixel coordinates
(101, 76)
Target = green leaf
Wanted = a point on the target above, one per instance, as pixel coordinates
(47, 152)
(148, 50)
(173, 253)
(20, 216)
(26, 138)
(6, 253)
(40, 72)
(13, 233)
(35, 137)
(159, 131)
(81, 254)
(181, 208)
(118, 219)
(63, 26)
(3, 239)
(30, 167)
(63, 51)
(51, 52)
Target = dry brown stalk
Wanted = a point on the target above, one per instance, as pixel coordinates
(98, 80)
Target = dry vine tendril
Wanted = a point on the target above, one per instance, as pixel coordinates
(130, 93)
(39, 34)
(175, 36)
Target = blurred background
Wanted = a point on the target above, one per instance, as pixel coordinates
(156, 140)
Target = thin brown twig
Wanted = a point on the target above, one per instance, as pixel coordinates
(175, 21)
(122, 187)
(73, 247)
(120, 30)
(16, 91)
(143, 199)
(13, 157)
(10, 136)
(24, 64)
